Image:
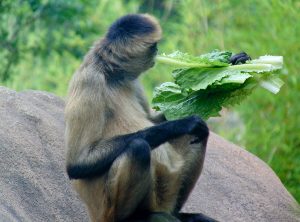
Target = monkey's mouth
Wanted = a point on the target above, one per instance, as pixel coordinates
(152, 63)
(153, 56)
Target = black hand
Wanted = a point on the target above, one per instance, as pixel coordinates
(198, 128)
(169, 130)
(239, 58)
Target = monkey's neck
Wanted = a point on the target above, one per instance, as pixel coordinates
(119, 77)
(115, 75)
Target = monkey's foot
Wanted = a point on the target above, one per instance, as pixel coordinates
(154, 217)
(195, 217)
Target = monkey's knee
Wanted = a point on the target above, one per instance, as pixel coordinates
(131, 178)
(139, 152)
(199, 129)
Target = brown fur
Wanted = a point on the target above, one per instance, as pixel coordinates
(96, 111)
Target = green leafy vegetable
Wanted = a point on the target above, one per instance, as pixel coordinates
(197, 79)
(213, 59)
(204, 84)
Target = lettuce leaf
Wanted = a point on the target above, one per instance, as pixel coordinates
(272, 83)
(214, 59)
(205, 103)
(204, 84)
(197, 79)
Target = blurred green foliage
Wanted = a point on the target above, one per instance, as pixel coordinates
(42, 43)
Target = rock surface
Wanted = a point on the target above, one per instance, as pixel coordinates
(234, 186)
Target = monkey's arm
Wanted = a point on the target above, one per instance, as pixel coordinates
(154, 117)
(95, 160)
(169, 130)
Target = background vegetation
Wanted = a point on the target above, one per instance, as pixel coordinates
(42, 42)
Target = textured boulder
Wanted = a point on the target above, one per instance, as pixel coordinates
(234, 186)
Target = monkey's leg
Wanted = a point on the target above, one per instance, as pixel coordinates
(193, 154)
(129, 179)
(177, 168)
(118, 193)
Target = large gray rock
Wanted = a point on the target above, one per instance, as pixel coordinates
(235, 185)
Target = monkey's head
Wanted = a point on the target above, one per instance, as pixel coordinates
(131, 43)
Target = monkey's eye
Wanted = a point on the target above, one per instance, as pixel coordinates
(153, 47)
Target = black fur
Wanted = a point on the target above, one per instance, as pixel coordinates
(139, 151)
(98, 168)
(129, 26)
(151, 137)
(195, 217)
(118, 77)
(241, 57)
(114, 74)
(165, 217)
(169, 130)
(153, 49)
(151, 216)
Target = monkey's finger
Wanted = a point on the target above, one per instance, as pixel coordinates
(241, 57)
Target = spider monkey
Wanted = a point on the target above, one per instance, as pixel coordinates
(125, 163)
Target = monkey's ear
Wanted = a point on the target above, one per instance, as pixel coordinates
(135, 27)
